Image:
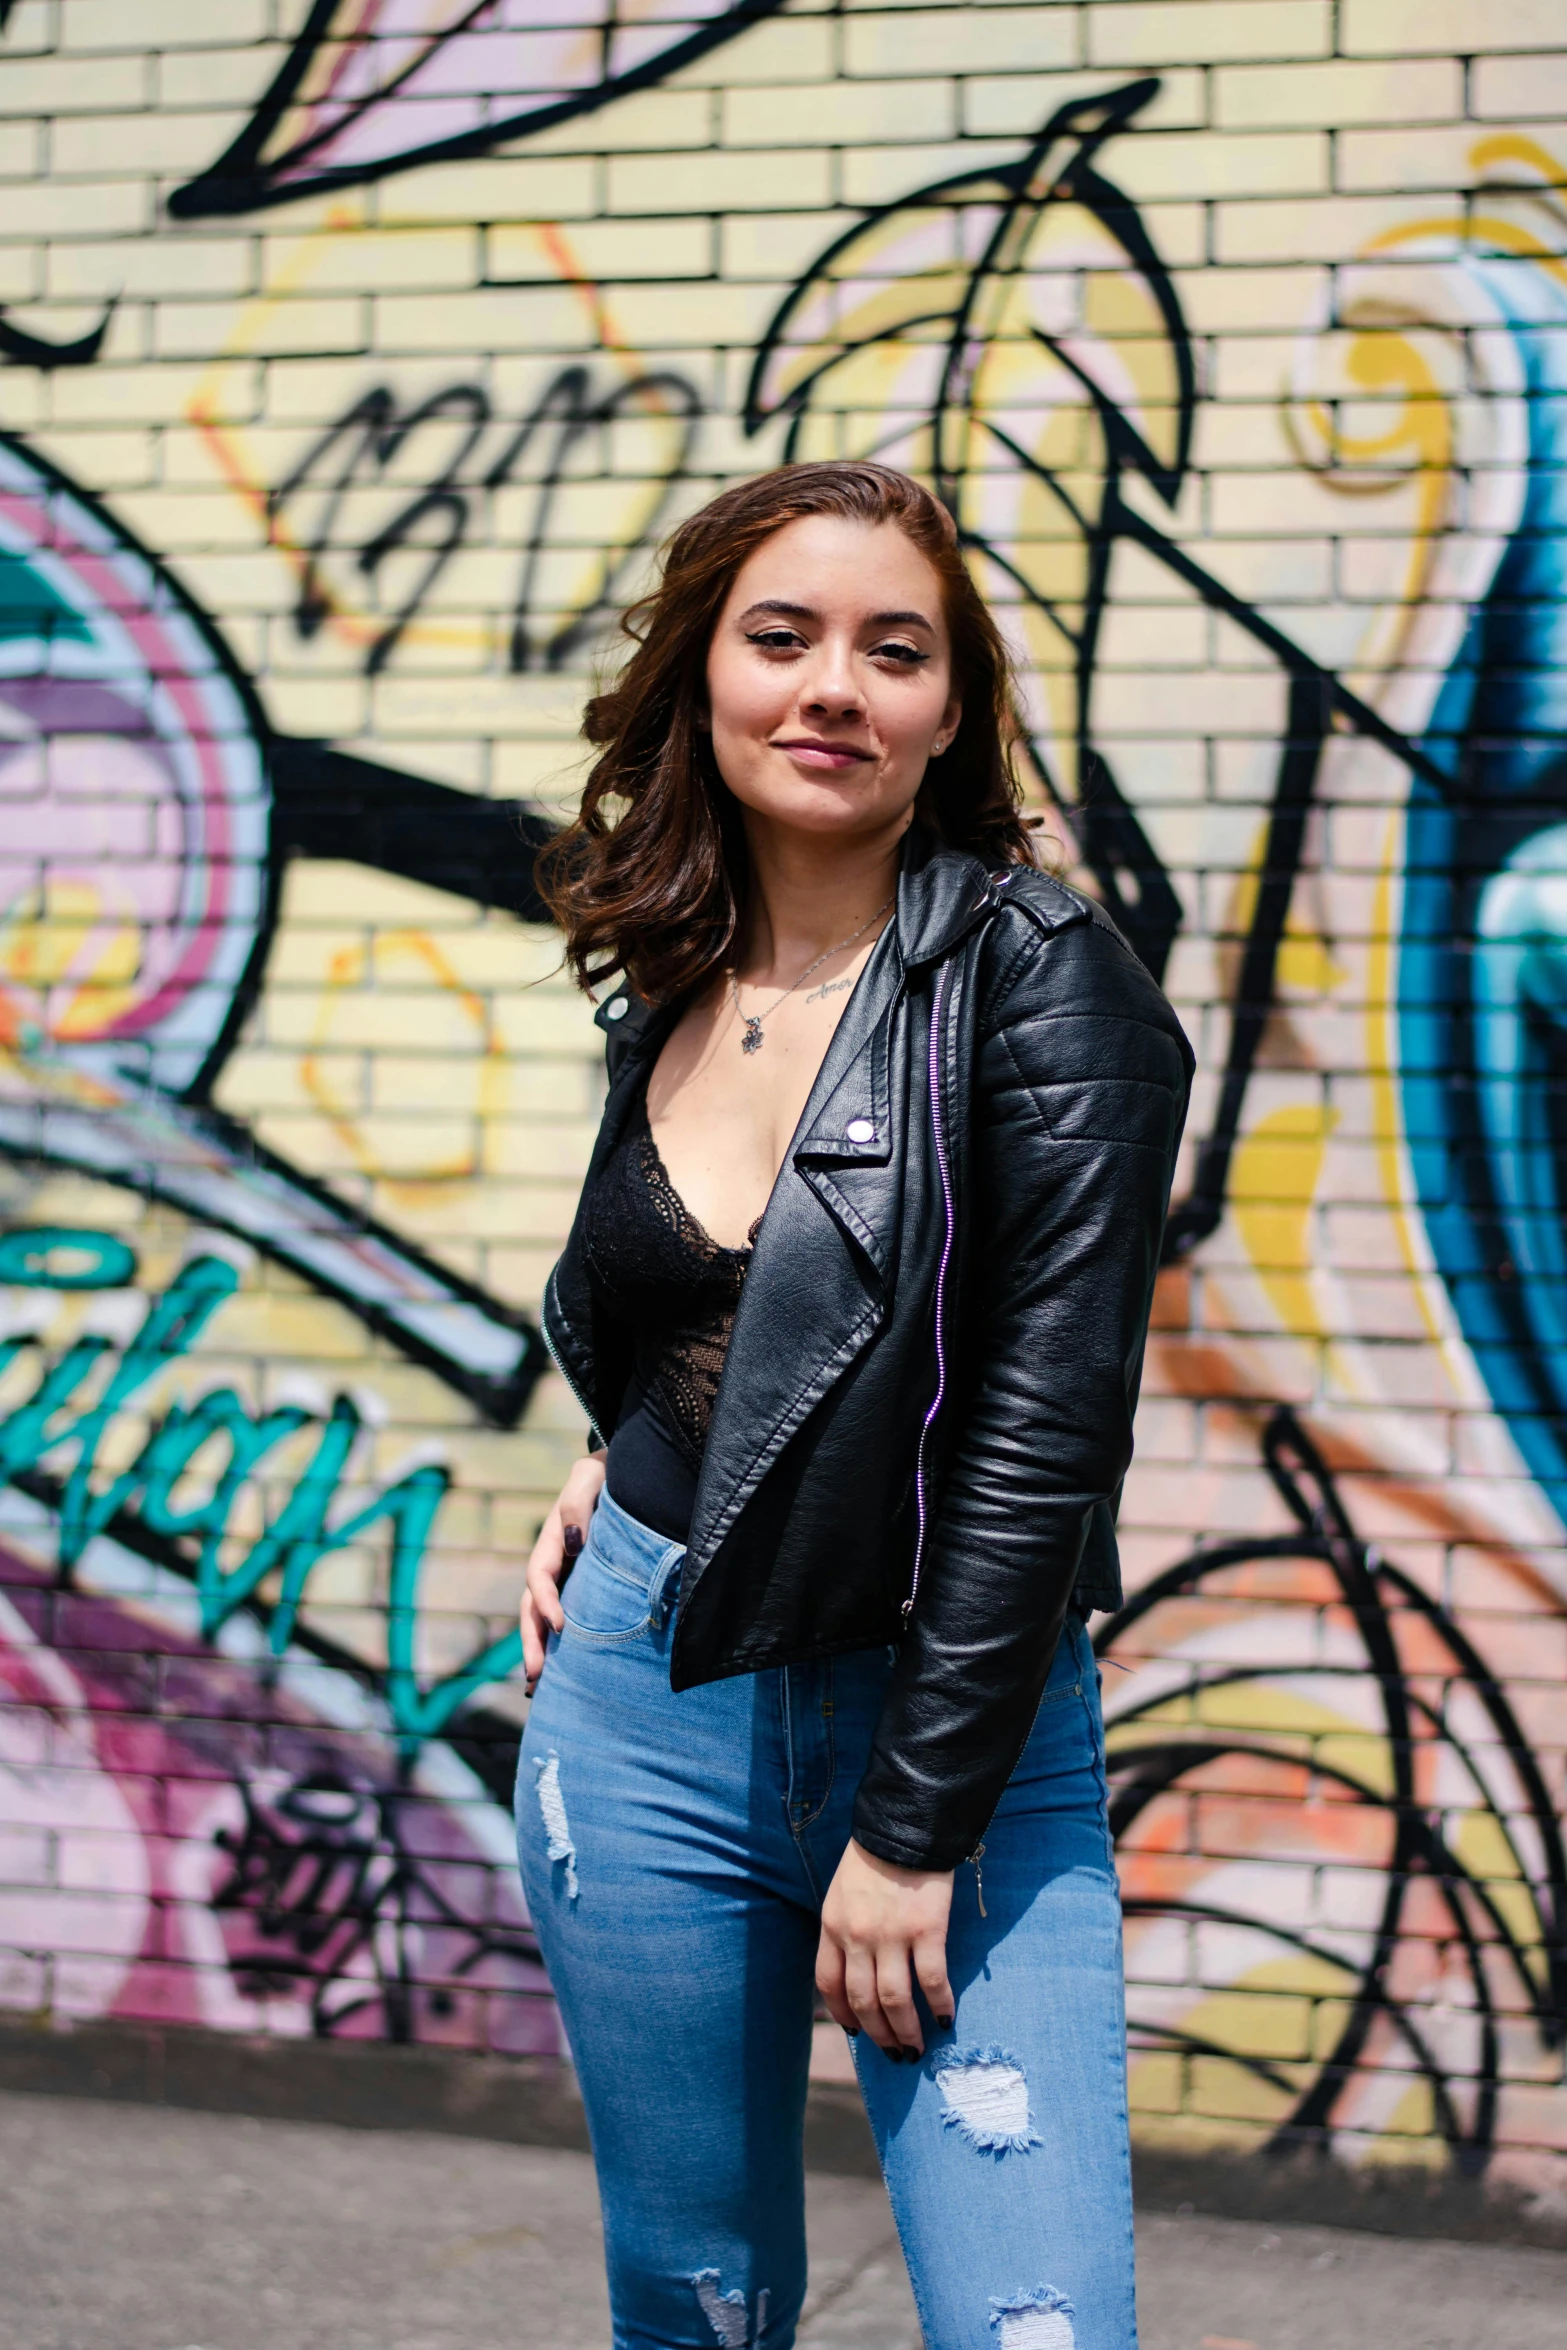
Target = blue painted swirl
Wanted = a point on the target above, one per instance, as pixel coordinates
(1483, 967)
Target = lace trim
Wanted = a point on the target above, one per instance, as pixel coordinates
(690, 1358)
(673, 1212)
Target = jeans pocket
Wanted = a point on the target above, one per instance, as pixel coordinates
(602, 1603)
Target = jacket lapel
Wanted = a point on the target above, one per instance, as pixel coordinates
(844, 1152)
(817, 1287)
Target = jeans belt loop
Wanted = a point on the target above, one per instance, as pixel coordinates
(665, 1583)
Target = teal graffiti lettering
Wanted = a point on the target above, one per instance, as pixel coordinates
(24, 1434)
(301, 1534)
(424, 1713)
(294, 1541)
(172, 1449)
(174, 1322)
(410, 1506)
(52, 1256)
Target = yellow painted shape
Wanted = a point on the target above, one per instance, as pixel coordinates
(1305, 1973)
(1517, 147)
(1118, 306)
(1154, 2082)
(1190, 2133)
(1418, 445)
(1414, 2116)
(1274, 2011)
(1226, 2090)
(1253, 2022)
(66, 937)
(1484, 1850)
(1481, 229)
(1260, 1704)
(1362, 1756)
(353, 967)
(1306, 965)
(1277, 1169)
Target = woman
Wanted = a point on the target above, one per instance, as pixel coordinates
(855, 1302)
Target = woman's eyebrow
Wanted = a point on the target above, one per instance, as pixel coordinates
(785, 611)
(788, 611)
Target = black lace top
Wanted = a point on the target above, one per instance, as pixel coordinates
(660, 1275)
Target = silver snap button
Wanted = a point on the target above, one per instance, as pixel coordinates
(618, 1009)
(860, 1130)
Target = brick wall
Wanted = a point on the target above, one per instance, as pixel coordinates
(333, 431)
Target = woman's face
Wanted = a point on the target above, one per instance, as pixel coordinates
(829, 678)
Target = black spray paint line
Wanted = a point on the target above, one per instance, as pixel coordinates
(25, 350)
(1376, 1595)
(341, 1903)
(246, 178)
(354, 452)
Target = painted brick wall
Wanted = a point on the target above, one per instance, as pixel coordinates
(334, 426)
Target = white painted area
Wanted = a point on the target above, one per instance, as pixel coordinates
(86, 1919)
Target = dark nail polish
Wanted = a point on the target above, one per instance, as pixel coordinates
(944, 2023)
(571, 1540)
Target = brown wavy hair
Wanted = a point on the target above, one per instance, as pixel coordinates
(650, 878)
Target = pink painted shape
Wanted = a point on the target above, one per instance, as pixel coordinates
(424, 70)
(176, 1733)
(166, 665)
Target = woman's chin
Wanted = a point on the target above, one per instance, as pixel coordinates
(828, 807)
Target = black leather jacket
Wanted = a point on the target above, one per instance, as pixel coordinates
(926, 1412)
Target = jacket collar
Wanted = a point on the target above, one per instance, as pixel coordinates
(941, 895)
(625, 1018)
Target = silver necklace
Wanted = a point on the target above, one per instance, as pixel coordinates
(753, 1040)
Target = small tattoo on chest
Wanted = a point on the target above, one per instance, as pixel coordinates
(829, 987)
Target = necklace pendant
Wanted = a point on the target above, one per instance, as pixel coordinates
(751, 1042)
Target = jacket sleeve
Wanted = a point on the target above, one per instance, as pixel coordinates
(1079, 1095)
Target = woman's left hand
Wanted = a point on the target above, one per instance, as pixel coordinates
(884, 1929)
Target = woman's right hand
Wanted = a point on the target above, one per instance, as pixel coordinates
(561, 1539)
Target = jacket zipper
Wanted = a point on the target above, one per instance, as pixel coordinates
(553, 1351)
(921, 1503)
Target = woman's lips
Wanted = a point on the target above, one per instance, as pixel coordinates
(828, 755)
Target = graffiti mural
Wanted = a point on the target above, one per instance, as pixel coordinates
(137, 896)
(1377, 1710)
(243, 1860)
(332, 434)
(369, 90)
(570, 410)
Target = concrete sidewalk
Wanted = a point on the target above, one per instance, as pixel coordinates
(129, 2227)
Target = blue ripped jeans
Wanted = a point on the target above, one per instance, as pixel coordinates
(675, 1852)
